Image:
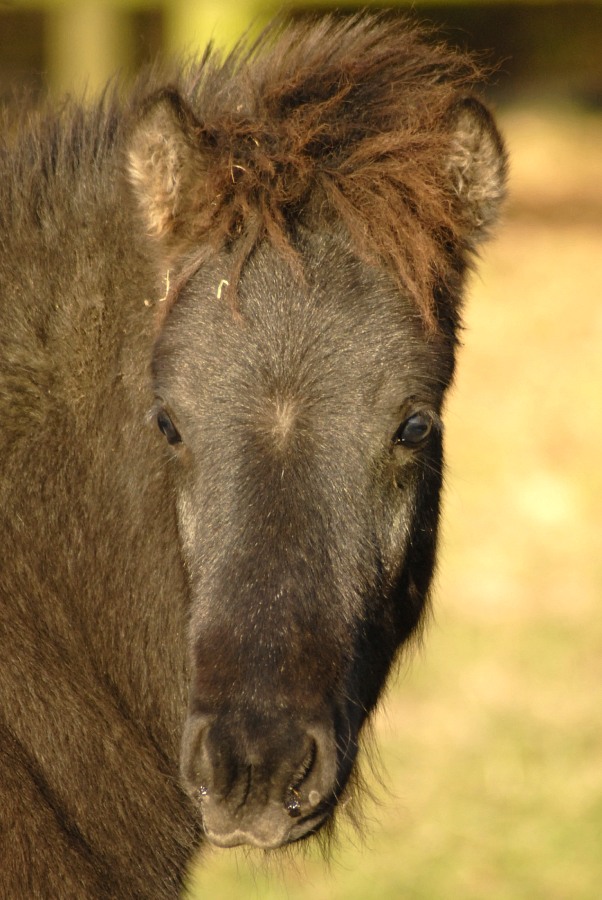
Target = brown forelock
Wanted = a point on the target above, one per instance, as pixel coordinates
(352, 111)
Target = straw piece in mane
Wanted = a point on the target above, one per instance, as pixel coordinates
(368, 114)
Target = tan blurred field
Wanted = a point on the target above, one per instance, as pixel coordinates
(491, 740)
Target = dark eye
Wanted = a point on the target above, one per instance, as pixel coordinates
(168, 428)
(414, 431)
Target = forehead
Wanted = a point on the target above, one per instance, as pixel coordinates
(341, 327)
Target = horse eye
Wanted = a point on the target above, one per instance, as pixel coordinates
(414, 431)
(168, 428)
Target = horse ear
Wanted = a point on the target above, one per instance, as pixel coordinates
(165, 165)
(478, 166)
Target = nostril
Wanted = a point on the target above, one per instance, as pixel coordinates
(292, 804)
(306, 766)
(293, 801)
(314, 779)
(196, 763)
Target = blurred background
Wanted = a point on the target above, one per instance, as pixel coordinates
(490, 738)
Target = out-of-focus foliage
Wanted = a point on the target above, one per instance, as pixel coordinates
(546, 46)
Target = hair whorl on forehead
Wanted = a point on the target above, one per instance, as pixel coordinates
(366, 113)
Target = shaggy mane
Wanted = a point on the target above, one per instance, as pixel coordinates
(354, 112)
(333, 117)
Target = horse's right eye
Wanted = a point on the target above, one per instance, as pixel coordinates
(168, 428)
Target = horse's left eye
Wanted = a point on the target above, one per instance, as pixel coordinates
(168, 428)
(414, 431)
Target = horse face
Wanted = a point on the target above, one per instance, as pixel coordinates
(305, 429)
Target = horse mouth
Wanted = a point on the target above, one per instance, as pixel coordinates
(265, 835)
(266, 786)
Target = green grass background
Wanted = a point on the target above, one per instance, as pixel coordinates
(490, 739)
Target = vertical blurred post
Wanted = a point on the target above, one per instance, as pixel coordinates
(87, 42)
(191, 24)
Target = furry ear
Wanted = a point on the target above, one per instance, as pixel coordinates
(165, 166)
(477, 166)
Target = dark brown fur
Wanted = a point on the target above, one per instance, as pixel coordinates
(333, 160)
(358, 116)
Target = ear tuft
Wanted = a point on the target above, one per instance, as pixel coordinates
(478, 168)
(161, 156)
